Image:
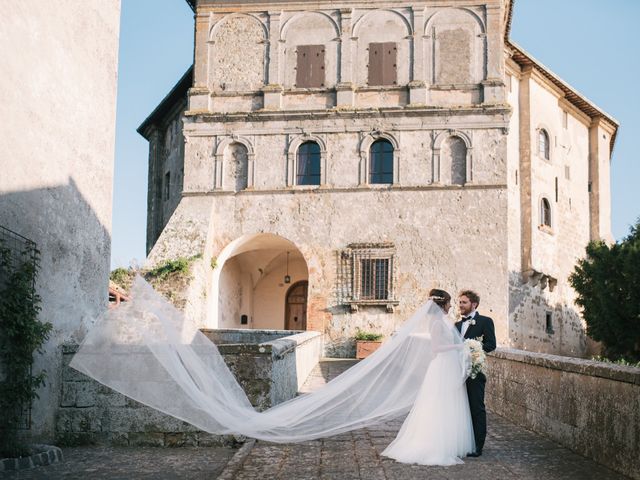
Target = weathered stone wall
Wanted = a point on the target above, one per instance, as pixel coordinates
(271, 366)
(59, 110)
(588, 406)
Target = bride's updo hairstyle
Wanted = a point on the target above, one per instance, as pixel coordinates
(439, 297)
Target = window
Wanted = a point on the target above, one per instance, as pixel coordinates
(308, 164)
(548, 322)
(556, 189)
(565, 119)
(382, 64)
(381, 166)
(509, 84)
(366, 275)
(310, 66)
(543, 144)
(545, 213)
(167, 185)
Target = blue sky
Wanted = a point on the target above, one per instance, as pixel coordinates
(590, 44)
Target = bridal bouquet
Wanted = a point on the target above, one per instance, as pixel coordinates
(478, 357)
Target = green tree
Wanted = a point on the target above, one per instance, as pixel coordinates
(607, 282)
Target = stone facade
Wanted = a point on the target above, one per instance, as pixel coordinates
(59, 110)
(460, 108)
(588, 406)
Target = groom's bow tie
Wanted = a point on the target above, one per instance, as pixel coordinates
(465, 319)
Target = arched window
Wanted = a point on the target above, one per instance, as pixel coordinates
(381, 170)
(543, 143)
(455, 151)
(545, 213)
(308, 164)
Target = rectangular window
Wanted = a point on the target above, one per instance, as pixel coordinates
(167, 185)
(567, 172)
(310, 66)
(556, 189)
(565, 119)
(549, 322)
(382, 64)
(366, 275)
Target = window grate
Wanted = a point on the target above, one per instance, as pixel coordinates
(366, 275)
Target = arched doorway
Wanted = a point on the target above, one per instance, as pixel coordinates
(251, 282)
(296, 307)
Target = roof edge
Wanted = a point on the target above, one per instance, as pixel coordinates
(179, 89)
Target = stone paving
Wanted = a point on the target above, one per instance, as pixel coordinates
(510, 453)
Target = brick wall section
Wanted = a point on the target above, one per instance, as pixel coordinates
(590, 407)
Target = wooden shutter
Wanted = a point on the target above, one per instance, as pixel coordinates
(382, 63)
(310, 66)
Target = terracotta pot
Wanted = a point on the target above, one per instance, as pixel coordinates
(365, 348)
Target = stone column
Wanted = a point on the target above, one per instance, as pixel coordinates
(154, 188)
(344, 88)
(493, 84)
(199, 93)
(417, 86)
(272, 91)
(524, 101)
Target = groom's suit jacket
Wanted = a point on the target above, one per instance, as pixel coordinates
(483, 328)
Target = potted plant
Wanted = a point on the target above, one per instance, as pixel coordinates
(367, 343)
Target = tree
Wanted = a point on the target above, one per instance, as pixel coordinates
(607, 282)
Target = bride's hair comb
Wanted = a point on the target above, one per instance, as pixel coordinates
(436, 298)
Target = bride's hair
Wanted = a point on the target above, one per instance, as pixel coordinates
(439, 297)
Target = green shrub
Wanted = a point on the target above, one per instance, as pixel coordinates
(21, 334)
(607, 282)
(364, 336)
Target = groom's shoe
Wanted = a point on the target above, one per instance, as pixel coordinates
(477, 453)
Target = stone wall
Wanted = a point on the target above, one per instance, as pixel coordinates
(591, 407)
(58, 142)
(270, 372)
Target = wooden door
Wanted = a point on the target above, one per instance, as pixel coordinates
(296, 307)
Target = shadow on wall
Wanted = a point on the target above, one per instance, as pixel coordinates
(73, 279)
(540, 320)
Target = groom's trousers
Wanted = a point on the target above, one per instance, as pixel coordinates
(475, 391)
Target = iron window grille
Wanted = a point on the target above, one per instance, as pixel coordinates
(366, 275)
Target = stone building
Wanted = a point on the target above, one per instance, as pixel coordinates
(332, 161)
(57, 155)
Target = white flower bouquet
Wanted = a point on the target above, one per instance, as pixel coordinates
(477, 356)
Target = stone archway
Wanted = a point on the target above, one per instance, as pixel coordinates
(249, 285)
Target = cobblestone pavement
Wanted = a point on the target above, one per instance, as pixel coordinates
(131, 463)
(510, 453)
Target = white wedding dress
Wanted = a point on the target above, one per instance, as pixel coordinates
(147, 350)
(438, 430)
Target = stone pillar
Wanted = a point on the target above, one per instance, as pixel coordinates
(493, 85)
(599, 180)
(417, 86)
(524, 101)
(344, 89)
(199, 93)
(272, 91)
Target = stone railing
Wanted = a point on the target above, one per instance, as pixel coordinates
(270, 372)
(590, 407)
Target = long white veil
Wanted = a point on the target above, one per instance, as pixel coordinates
(147, 350)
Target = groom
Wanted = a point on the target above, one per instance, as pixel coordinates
(473, 325)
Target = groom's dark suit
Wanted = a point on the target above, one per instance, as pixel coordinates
(475, 387)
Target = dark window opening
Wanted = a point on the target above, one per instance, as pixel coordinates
(167, 185)
(381, 170)
(374, 279)
(543, 144)
(549, 322)
(545, 213)
(556, 189)
(309, 160)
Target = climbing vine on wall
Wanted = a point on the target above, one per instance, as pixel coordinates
(21, 335)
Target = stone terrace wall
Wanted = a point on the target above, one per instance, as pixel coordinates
(591, 407)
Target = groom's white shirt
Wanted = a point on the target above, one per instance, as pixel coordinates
(466, 323)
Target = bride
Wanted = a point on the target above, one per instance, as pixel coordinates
(147, 349)
(438, 430)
